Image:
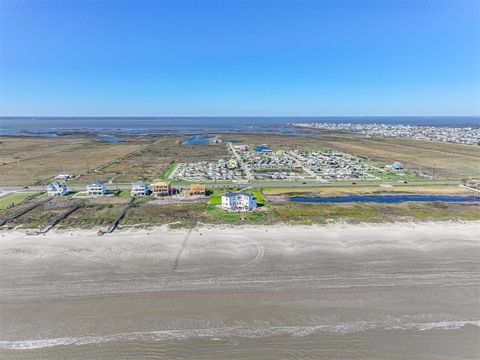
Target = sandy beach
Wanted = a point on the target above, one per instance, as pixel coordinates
(389, 291)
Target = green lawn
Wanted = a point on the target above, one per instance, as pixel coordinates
(168, 170)
(216, 199)
(16, 198)
(216, 214)
(124, 193)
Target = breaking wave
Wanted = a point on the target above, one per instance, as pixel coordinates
(224, 332)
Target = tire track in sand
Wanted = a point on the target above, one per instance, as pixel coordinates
(184, 244)
(258, 257)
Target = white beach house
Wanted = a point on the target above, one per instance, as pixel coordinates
(57, 189)
(97, 188)
(238, 201)
(140, 188)
(396, 166)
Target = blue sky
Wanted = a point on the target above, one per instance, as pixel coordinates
(240, 58)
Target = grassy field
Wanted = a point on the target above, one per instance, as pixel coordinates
(30, 161)
(91, 215)
(157, 159)
(373, 213)
(33, 161)
(148, 214)
(16, 198)
(101, 212)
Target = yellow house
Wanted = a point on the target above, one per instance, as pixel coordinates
(160, 188)
(196, 189)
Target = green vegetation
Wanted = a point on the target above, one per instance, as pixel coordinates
(91, 215)
(215, 214)
(215, 199)
(125, 193)
(148, 214)
(167, 170)
(360, 212)
(257, 193)
(102, 212)
(16, 198)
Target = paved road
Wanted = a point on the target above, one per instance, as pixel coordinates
(241, 185)
(248, 173)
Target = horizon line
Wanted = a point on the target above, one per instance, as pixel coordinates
(234, 116)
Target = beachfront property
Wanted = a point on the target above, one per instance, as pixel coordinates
(238, 201)
(160, 188)
(97, 188)
(396, 166)
(140, 188)
(196, 190)
(57, 189)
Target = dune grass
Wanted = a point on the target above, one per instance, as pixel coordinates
(16, 198)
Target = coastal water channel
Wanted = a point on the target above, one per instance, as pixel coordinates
(388, 199)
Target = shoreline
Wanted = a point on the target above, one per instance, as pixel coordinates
(149, 229)
(75, 294)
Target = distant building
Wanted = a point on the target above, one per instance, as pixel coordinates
(241, 148)
(140, 188)
(396, 166)
(263, 148)
(238, 201)
(57, 189)
(196, 189)
(232, 164)
(160, 188)
(474, 184)
(97, 188)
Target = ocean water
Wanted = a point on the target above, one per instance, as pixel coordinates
(160, 125)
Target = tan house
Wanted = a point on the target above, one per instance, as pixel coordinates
(160, 188)
(196, 189)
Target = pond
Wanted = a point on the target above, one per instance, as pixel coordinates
(262, 148)
(389, 199)
(108, 138)
(197, 140)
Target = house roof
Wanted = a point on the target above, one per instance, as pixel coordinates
(97, 183)
(233, 194)
(197, 187)
(140, 183)
(56, 184)
(161, 183)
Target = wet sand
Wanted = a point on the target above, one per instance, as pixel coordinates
(390, 291)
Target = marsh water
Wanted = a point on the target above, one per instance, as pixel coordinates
(386, 199)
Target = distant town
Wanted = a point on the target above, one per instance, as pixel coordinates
(250, 162)
(460, 135)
